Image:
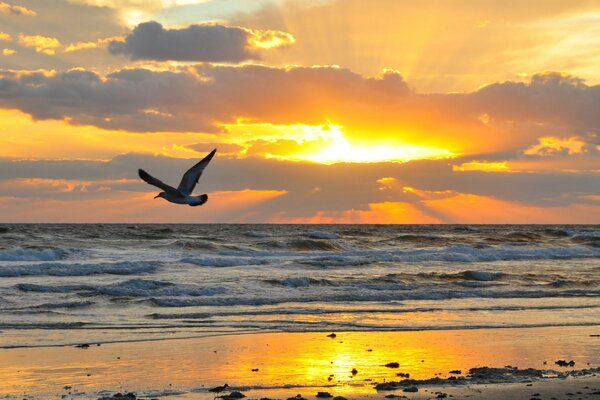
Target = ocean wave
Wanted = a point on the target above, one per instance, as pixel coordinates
(130, 288)
(60, 269)
(372, 296)
(20, 254)
(188, 244)
(148, 288)
(321, 235)
(300, 282)
(32, 287)
(224, 261)
(257, 234)
(312, 245)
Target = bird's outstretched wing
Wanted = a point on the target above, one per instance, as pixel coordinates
(191, 177)
(157, 182)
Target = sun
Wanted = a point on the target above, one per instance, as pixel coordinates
(340, 149)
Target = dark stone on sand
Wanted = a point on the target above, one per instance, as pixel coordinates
(332, 335)
(403, 374)
(395, 396)
(565, 363)
(442, 395)
(392, 365)
(324, 395)
(456, 372)
(411, 389)
(339, 398)
(119, 396)
(298, 397)
(83, 346)
(235, 395)
(254, 369)
(354, 371)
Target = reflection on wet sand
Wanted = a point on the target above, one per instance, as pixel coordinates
(280, 359)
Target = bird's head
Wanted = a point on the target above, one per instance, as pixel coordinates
(161, 194)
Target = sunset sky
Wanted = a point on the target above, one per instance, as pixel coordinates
(322, 111)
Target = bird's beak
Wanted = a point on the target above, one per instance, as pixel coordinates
(156, 197)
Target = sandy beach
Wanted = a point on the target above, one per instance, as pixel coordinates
(351, 364)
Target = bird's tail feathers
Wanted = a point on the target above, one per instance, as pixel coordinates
(203, 198)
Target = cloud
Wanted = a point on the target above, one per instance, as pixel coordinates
(383, 109)
(550, 145)
(223, 148)
(212, 43)
(310, 188)
(41, 44)
(6, 8)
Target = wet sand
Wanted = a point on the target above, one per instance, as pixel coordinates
(282, 365)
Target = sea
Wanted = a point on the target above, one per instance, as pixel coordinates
(103, 283)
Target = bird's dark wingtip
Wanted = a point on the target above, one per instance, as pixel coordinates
(142, 174)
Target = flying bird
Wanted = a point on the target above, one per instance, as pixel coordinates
(183, 193)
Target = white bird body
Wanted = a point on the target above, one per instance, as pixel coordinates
(183, 193)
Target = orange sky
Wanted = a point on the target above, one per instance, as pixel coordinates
(322, 111)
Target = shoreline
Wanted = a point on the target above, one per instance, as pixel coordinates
(204, 335)
(281, 365)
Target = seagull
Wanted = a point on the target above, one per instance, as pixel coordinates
(181, 195)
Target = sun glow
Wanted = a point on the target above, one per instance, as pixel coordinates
(324, 144)
(342, 150)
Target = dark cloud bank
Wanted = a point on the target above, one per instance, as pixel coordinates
(214, 43)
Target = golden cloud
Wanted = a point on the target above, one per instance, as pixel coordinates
(41, 44)
(6, 8)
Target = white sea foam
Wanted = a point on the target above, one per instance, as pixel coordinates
(20, 254)
(64, 269)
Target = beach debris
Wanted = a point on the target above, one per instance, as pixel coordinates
(369, 349)
(254, 369)
(119, 396)
(456, 372)
(441, 395)
(354, 371)
(332, 335)
(234, 395)
(565, 363)
(324, 395)
(392, 365)
(298, 397)
(403, 374)
(339, 398)
(83, 346)
(411, 389)
(395, 396)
